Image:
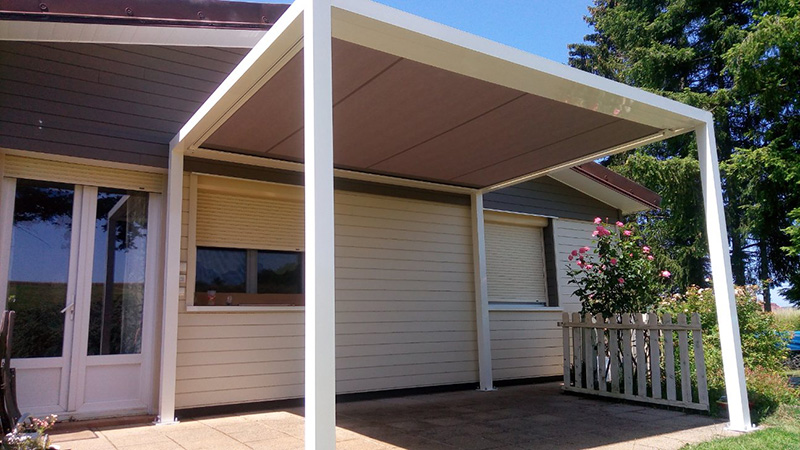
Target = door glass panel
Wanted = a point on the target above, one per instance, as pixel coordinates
(39, 271)
(118, 273)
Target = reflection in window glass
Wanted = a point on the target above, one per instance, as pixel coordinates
(118, 274)
(280, 272)
(221, 270)
(37, 280)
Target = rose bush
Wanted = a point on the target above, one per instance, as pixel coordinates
(618, 273)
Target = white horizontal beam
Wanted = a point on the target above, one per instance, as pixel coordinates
(396, 32)
(666, 134)
(259, 161)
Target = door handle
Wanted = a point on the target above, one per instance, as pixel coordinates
(70, 308)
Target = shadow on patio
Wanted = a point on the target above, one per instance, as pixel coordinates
(518, 417)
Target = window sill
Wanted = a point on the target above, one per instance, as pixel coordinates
(243, 309)
(523, 308)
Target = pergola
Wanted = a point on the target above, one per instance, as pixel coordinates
(409, 102)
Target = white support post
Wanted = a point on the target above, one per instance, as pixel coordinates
(730, 340)
(320, 387)
(172, 269)
(481, 294)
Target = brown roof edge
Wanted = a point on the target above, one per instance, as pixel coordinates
(619, 183)
(185, 13)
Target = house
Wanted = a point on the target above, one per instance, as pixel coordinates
(202, 134)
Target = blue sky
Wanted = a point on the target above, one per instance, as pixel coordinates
(536, 26)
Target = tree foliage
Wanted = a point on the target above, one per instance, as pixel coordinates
(740, 60)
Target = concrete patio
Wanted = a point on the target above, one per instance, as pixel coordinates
(512, 418)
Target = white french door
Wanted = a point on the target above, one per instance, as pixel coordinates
(77, 264)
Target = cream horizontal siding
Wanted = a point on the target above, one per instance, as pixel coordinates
(569, 235)
(405, 309)
(405, 302)
(525, 344)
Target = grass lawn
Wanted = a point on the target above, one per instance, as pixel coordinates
(781, 431)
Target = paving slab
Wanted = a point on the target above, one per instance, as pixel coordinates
(512, 418)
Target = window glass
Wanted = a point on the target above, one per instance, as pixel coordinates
(280, 272)
(233, 277)
(219, 271)
(37, 280)
(118, 273)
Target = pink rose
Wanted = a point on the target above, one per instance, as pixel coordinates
(621, 280)
(613, 260)
(589, 267)
(646, 249)
(580, 263)
(574, 253)
(650, 257)
(627, 232)
(595, 233)
(583, 249)
(570, 257)
(597, 220)
(666, 274)
(620, 224)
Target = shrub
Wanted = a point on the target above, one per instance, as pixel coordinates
(767, 390)
(619, 274)
(763, 346)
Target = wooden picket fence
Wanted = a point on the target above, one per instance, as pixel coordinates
(604, 356)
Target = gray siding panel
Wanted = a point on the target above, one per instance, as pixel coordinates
(547, 197)
(119, 103)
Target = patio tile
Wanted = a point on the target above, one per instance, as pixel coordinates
(97, 444)
(284, 443)
(129, 437)
(362, 444)
(410, 425)
(73, 436)
(249, 431)
(171, 445)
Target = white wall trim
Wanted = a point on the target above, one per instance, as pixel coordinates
(523, 308)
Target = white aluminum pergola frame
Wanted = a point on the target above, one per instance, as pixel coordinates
(311, 25)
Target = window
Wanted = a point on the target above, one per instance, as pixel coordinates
(238, 277)
(517, 259)
(245, 244)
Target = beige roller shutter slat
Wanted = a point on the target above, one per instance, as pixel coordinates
(73, 173)
(226, 220)
(515, 263)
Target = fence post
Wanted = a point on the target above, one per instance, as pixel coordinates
(565, 336)
(655, 355)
